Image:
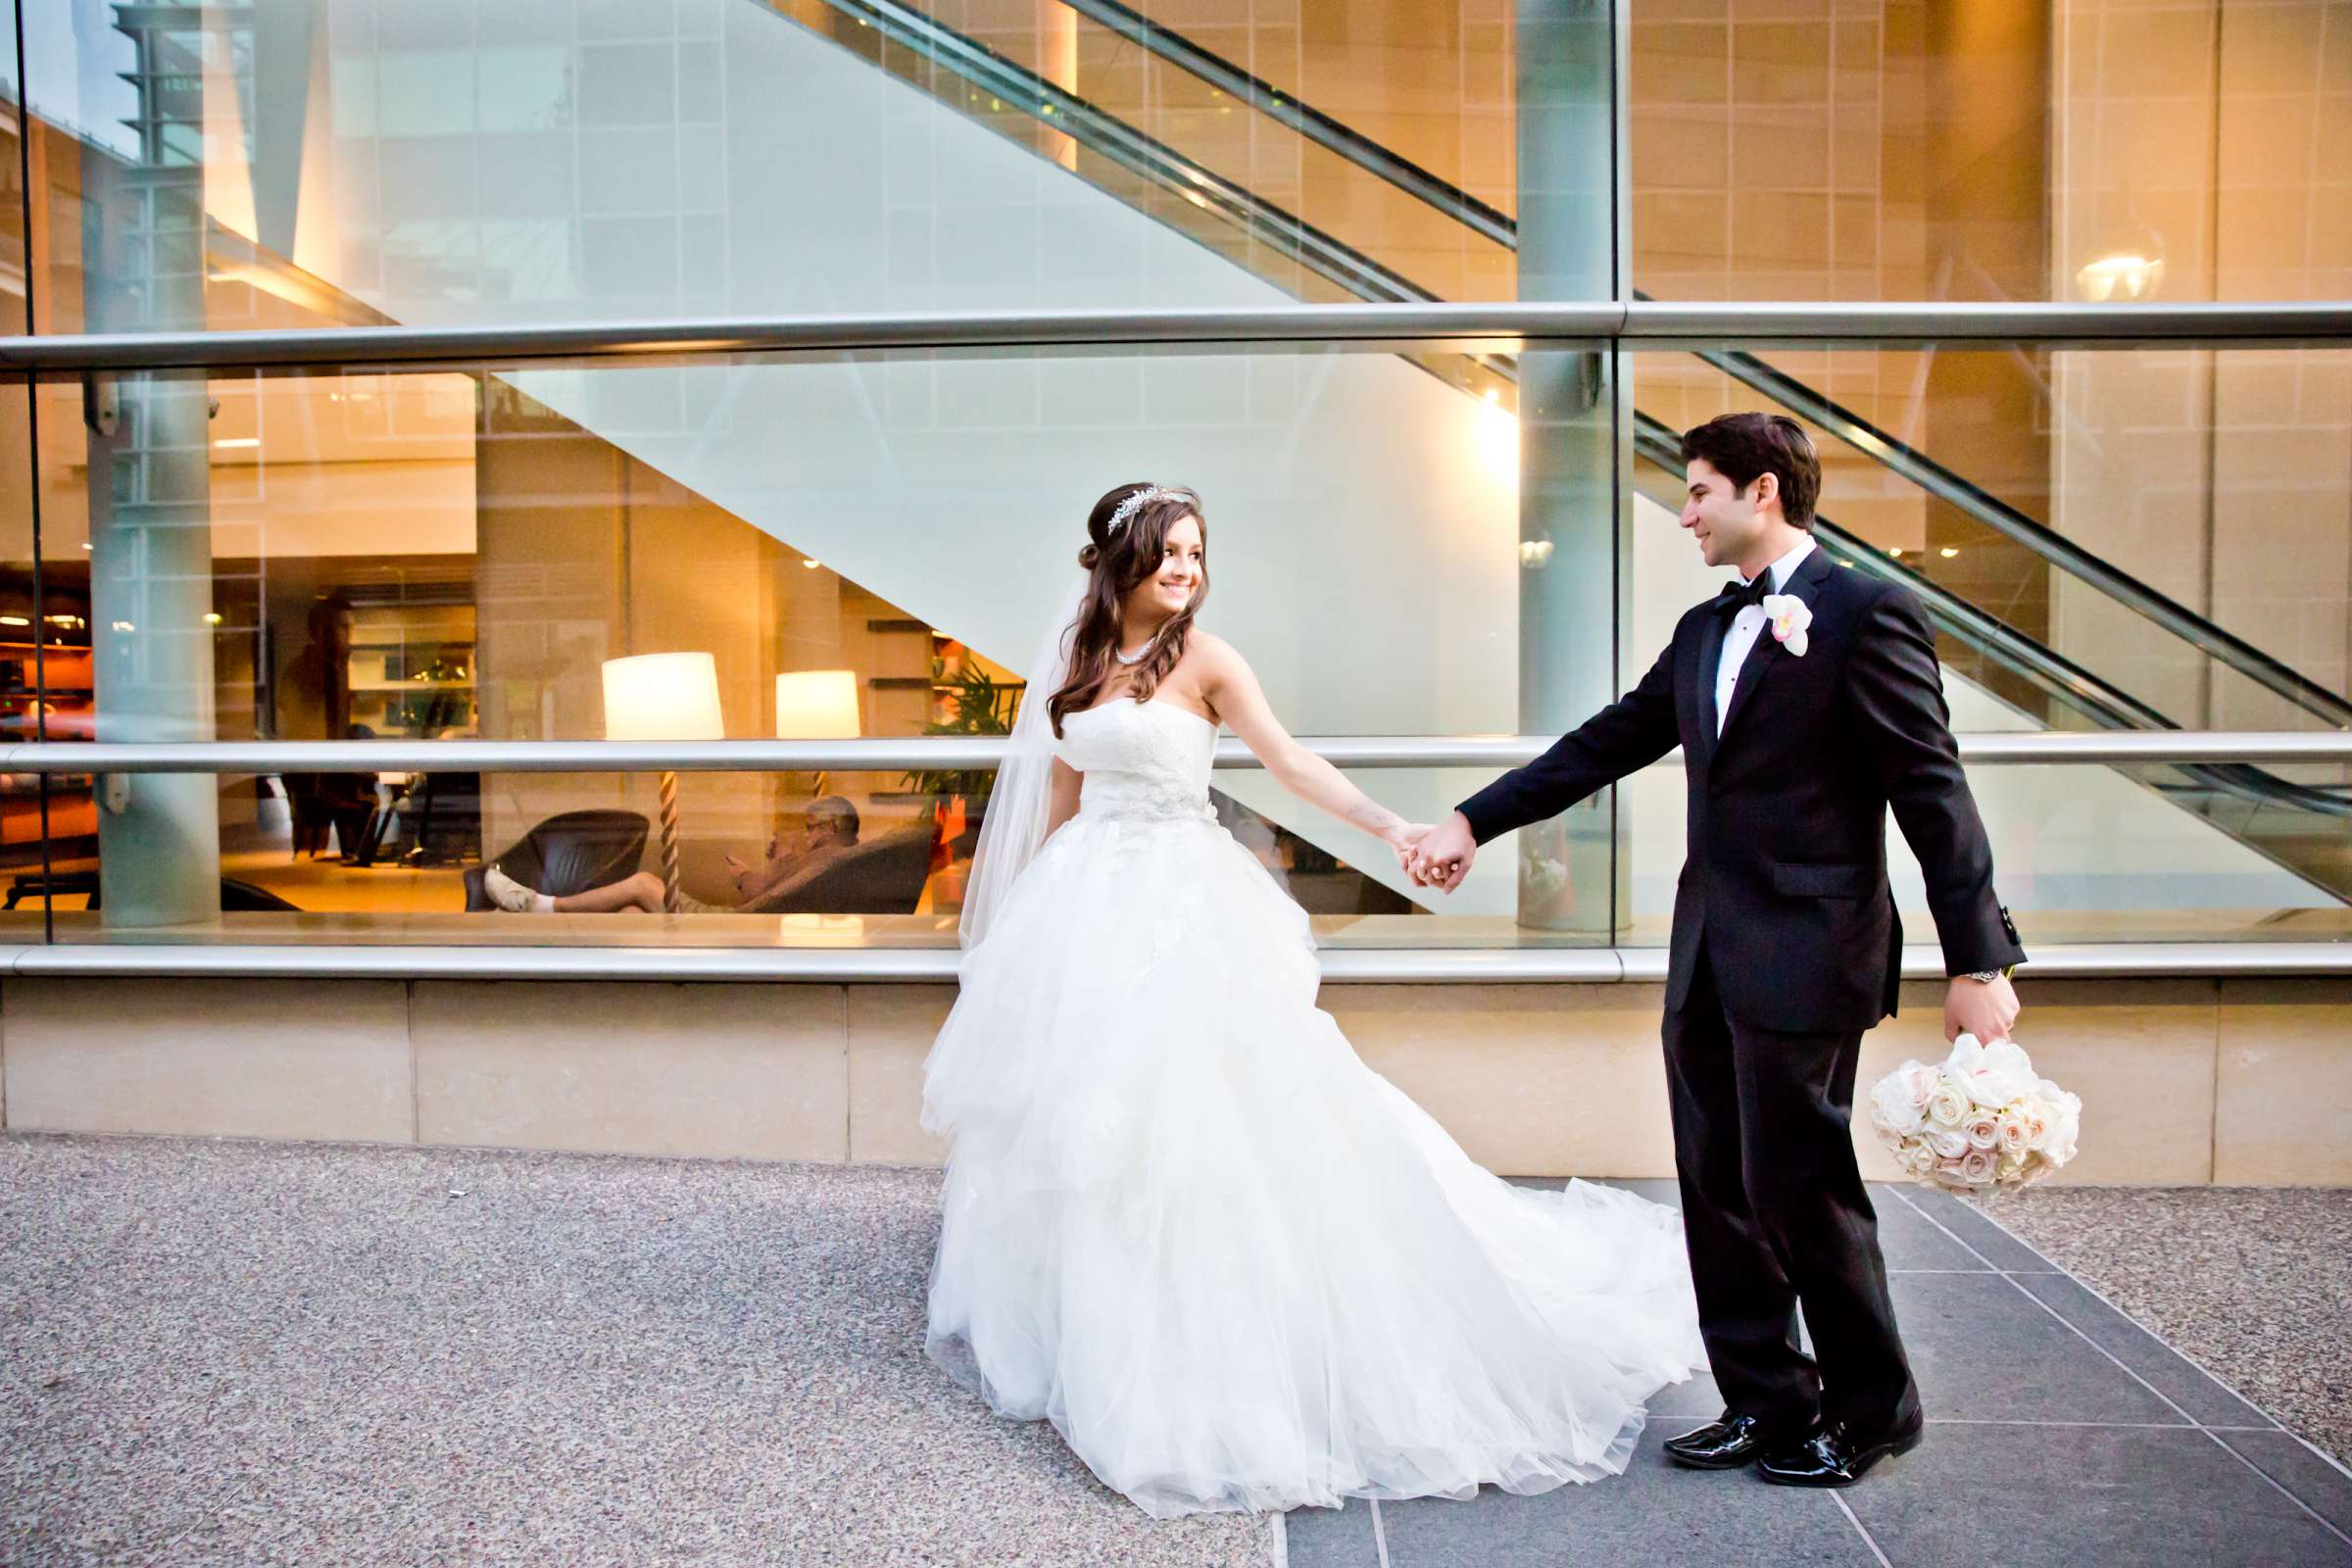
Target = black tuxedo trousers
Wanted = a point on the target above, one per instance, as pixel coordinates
(1774, 1214)
(1786, 948)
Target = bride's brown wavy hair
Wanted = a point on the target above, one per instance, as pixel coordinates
(1118, 562)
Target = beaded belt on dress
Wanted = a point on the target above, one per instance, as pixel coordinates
(1108, 801)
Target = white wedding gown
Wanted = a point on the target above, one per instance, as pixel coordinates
(1233, 1265)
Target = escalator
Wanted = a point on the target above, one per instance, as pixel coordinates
(2295, 818)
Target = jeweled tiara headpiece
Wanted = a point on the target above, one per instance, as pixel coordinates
(1136, 503)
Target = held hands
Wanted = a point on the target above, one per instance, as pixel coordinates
(1401, 838)
(1440, 856)
(1987, 1010)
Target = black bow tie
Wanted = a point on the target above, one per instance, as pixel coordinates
(1737, 596)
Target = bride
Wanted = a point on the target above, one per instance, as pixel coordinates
(1233, 1265)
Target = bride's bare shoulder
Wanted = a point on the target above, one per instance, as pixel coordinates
(1212, 651)
(1215, 671)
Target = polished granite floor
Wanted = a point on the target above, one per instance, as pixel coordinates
(2060, 1432)
(228, 1352)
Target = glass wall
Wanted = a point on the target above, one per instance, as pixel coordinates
(447, 553)
(864, 544)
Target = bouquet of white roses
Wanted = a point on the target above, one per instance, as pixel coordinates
(1982, 1121)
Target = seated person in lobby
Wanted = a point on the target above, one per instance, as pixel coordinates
(830, 833)
(830, 826)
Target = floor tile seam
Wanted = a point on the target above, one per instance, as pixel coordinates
(2070, 1327)
(2321, 1519)
(2124, 1426)
(2101, 1296)
(1995, 1223)
(2215, 1438)
(2014, 1275)
(1380, 1536)
(1860, 1529)
(2333, 1462)
(2098, 1294)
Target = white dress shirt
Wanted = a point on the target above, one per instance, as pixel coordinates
(1740, 636)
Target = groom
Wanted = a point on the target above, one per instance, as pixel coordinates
(1806, 701)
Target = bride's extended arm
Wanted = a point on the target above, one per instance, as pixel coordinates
(1233, 691)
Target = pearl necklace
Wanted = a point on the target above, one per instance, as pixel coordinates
(1125, 659)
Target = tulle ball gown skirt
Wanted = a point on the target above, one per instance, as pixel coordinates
(1235, 1267)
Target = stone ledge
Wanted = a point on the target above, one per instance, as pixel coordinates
(2184, 1082)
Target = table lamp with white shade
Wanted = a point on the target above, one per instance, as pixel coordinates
(663, 696)
(817, 705)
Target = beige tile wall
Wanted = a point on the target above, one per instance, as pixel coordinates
(2183, 1082)
(240, 1058)
(2282, 1084)
(737, 1071)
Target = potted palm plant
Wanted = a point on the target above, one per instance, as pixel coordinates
(977, 703)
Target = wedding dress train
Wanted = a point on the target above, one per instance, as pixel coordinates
(1233, 1265)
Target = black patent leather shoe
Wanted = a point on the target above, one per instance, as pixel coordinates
(1725, 1444)
(1836, 1455)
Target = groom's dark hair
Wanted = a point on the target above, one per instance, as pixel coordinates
(1742, 446)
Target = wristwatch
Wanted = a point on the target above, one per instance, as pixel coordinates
(1985, 977)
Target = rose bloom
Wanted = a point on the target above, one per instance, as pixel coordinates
(2001, 1074)
(1977, 1165)
(1947, 1143)
(2016, 1135)
(1893, 1106)
(1982, 1132)
(1947, 1107)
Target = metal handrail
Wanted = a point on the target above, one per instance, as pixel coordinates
(952, 752)
(1632, 323)
(1304, 119)
(936, 963)
(1110, 136)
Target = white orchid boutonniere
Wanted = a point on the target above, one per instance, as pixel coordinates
(1789, 617)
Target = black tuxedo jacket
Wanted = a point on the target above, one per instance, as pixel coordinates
(1785, 877)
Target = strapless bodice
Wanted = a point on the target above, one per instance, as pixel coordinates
(1141, 761)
